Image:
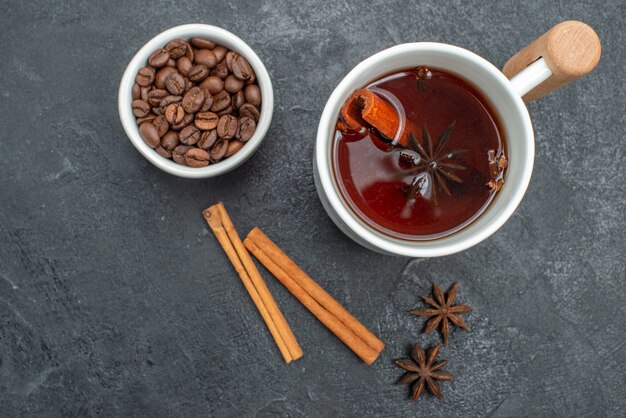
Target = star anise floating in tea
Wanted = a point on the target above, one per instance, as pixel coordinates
(496, 170)
(422, 74)
(442, 311)
(423, 371)
(433, 166)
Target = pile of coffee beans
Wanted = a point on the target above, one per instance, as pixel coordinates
(196, 102)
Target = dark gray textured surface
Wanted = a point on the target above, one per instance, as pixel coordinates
(116, 300)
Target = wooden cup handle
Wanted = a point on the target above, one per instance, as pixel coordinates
(571, 50)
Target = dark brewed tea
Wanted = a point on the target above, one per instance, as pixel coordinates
(418, 154)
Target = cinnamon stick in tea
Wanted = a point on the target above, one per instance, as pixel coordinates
(221, 225)
(330, 312)
(364, 108)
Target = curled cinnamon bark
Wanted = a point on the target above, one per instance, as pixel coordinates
(329, 311)
(366, 109)
(223, 228)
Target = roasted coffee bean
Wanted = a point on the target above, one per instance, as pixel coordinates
(206, 120)
(252, 78)
(145, 76)
(208, 101)
(221, 101)
(183, 64)
(140, 108)
(149, 118)
(177, 48)
(136, 91)
(175, 84)
(220, 52)
(161, 124)
(188, 85)
(144, 93)
(253, 94)
(247, 126)
(189, 135)
(232, 84)
(155, 96)
(227, 127)
(241, 68)
(197, 157)
(239, 99)
(157, 111)
(219, 150)
(207, 139)
(230, 55)
(193, 100)
(178, 153)
(201, 43)
(220, 71)
(174, 113)
(163, 152)
(169, 141)
(250, 111)
(233, 147)
(149, 134)
(206, 57)
(213, 83)
(171, 62)
(198, 73)
(187, 120)
(159, 58)
(168, 100)
(161, 76)
(227, 111)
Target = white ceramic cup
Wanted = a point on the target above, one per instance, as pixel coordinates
(505, 97)
(221, 37)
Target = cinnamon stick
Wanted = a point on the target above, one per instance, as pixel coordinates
(263, 300)
(365, 109)
(330, 312)
(259, 284)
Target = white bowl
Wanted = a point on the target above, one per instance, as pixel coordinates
(221, 37)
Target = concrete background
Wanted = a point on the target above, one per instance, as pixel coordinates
(115, 299)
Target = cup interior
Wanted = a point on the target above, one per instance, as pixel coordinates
(221, 37)
(510, 111)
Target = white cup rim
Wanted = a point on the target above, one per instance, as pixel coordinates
(377, 240)
(222, 37)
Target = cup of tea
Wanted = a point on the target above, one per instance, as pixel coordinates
(426, 149)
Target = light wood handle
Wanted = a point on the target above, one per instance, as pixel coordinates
(571, 50)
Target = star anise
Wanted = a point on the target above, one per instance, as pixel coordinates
(496, 170)
(442, 311)
(423, 372)
(422, 74)
(432, 165)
